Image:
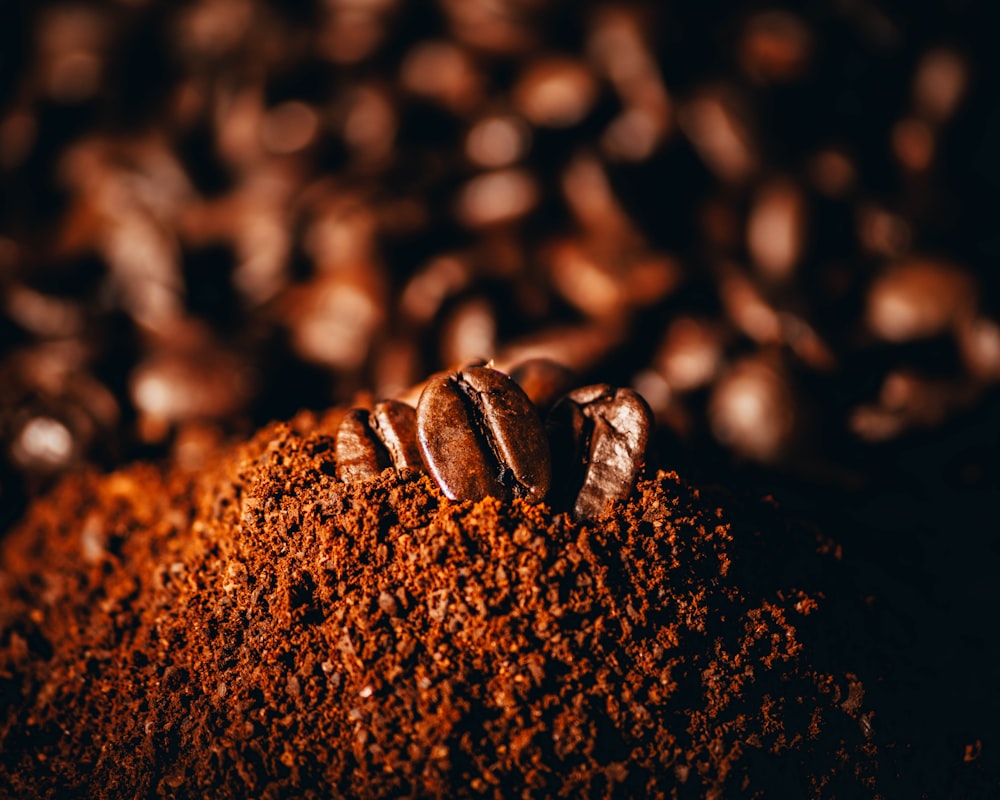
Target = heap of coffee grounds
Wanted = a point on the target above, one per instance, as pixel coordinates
(260, 629)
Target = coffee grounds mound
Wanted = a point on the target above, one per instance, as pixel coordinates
(258, 629)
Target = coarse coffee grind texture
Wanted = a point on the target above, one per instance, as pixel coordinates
(259, 629)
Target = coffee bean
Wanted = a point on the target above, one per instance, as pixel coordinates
(580, 347)
(555, 92)
(480, 436)
(690, 353)
(917, 298)
(775, 46)
(544, 381)
(598, 436)
(468, 331)
(396, 424)
(754, 408)
(53, 413)
(359, 452)
(334, 318)
(497, 198)
(369, 442)
(776, 229)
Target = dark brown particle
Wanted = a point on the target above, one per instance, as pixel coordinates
(263, 630)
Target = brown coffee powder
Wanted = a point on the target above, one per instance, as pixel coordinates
(261, 630)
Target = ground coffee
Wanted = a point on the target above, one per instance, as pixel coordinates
(262, 629)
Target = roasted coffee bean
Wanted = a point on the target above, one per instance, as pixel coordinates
(754, 408)
(555, 92)
(579, 347)
(917, 298)
(598, 436)
(480, 436)
(544, 381)
(468, 331)
(369, 442)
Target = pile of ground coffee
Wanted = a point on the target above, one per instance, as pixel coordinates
(259, 629)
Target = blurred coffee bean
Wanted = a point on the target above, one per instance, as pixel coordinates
(939, 84)
(334, 318)
(832, 172)
(586, 280)
(251, 221)
(690, 354)
(922, 400)
(469, 331)
(716, 121)
(47, 436)
(43, 443)
(176, 385)
(342, 230)
(497, 197)
(670, 410)
(775, 45)
(753, 409)
(776, 229)
(746, 307)
(883, 233)
(634, 134)
(803, 340)
(145, 269)
(72, 42)
(874, 423)
(369, 125)
(650, 276)
(618, 46)
(396, 367)
(368, 442)
(606, 283)
(145, 167)
(212, 29)
(53, 413)
(555, 92)
(425, 292)
(497, 141)
(239, 113)
(979, 345)
(506, 28)
(544, 381)
(352, 32)
(43, 315)
(580, 348)
(598, 437)
(129, 211)
(260, 233)
(917, 298)
(444, 72)
(655, 389)
(480, 436)
(591, 199)
(909, 400)
(913, 144)
(289, 127)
